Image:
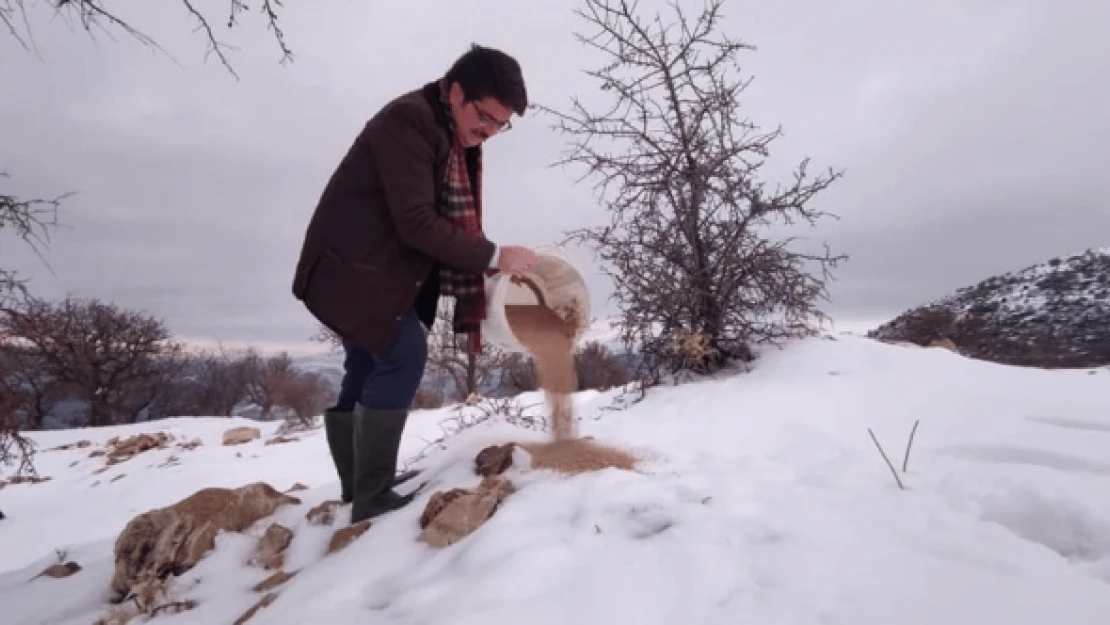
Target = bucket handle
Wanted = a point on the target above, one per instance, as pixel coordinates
(532, 286)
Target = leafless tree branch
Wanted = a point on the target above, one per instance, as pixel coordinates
(675, 164)
(94, 15)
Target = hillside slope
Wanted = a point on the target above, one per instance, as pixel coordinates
(1053, 314)
(762, 499)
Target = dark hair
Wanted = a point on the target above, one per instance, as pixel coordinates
(483, 72)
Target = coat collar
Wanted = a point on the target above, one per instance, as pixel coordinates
(430, 91)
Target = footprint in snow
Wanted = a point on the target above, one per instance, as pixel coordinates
(1059, 522)
(1074, 424)
(1027, 456)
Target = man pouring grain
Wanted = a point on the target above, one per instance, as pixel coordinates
(398, 225)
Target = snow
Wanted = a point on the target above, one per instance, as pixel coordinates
(763, 500)
(1080, 280)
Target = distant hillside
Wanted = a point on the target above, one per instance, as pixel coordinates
(1054, 314)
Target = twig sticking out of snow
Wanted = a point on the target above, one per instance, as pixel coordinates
(883, 453)
(909, 444)
(480, 411)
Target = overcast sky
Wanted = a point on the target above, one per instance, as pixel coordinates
(973, 133)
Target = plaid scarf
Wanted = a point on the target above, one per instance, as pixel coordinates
(462, 206)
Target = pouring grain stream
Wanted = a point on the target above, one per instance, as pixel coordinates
(550, 340)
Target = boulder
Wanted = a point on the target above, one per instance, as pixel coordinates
(494, 460)
(122, 450)
(453, 515)
(240, 435)
(262, 603)
(171, 540)
(273, 581)
(60, 570)
(347, 535)
(948, 344)
(324, 513)
(270, 553)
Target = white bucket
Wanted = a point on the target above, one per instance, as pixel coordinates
(560, 284)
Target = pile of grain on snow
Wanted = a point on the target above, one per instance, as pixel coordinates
(578, 456)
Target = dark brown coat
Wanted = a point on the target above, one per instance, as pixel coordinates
(375, 239)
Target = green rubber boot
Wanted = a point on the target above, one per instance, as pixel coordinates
(340, 430)
(377, 441)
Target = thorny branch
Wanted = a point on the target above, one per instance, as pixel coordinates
(93, 15)
(905, 457)
(31, 221)
(676, 165)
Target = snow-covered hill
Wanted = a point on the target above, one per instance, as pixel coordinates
(1053, 314)
(762, 499)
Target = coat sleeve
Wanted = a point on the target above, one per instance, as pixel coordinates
(405, 159)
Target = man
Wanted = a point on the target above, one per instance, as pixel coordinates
(399, 224)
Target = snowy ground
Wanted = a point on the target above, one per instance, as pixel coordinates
(765, 501)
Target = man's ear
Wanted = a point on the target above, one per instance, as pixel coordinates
(455, 94)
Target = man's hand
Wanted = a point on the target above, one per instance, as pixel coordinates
(515, 260)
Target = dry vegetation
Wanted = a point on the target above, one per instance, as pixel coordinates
(121, 366)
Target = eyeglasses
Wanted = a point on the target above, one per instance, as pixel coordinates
(489, 121)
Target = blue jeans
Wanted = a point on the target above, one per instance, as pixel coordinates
(388, 382)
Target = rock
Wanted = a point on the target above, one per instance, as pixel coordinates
(240, 435)
(262, 603)
(171, 540)
(944, 344)
(27, 479)
(452, 515)
(347, 535)
(58, 571)
(190, 445)
(296, 487)
(78, 445)
(270, 552)
(494, 460)
(273, 581)
(126, 449)
(323, 514)
(437, 503)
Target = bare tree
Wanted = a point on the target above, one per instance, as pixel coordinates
(304, 394)
(217, 381)
(518, 373)
(598, 368)
(95, 15)
(14, 446)
(328, 337)
(110, 356)
(448, 354)
(277, 386)
(27, 382)
(30, 221)
(697, 279)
